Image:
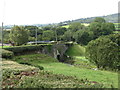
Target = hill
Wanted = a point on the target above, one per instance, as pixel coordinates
(109, 18)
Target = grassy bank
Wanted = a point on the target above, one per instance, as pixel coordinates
(50, 64)
(76, 50)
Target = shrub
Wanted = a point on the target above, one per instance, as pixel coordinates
(7, 54)
(105, 51)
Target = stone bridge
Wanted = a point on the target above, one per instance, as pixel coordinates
(57, 51)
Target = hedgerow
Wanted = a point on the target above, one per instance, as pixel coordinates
(24, 49)
(7, 54)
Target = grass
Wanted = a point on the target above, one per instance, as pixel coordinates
(82, 62)
(5, 46)
(116, 32)
(66, 26)
(8, 64)
(76, 50)
(50, 64)
(21, 76)
(105, 77)
(85, 24)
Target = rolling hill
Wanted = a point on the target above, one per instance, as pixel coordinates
(109, 18)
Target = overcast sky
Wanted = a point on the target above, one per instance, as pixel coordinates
(20, 12)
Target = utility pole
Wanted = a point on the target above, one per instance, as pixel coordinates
(55, 33)
(36, 36)
(2, 35)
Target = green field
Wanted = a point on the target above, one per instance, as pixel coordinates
(66, 26)
(85, 24)
(105, 77)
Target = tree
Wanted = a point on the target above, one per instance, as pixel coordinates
(105, 51)
(68, 36)
(100, 29)
(31, 38)
(99, 20)
(48, 35)
(95, 27)
(108, 28)
(76, 26)
(83, 36)
(48, 27)
(39, 37)
(6, 37)
(19, 35)
(32, 30)
(60, 31)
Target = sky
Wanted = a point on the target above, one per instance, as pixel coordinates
(26, 12)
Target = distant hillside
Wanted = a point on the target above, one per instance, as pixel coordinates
(109, 18)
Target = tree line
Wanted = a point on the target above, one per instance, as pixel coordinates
(76, 32)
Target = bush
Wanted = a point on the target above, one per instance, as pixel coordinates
(7, 54)
(105, 51)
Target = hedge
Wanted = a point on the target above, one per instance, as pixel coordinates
(7, 54)
(23, 49)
